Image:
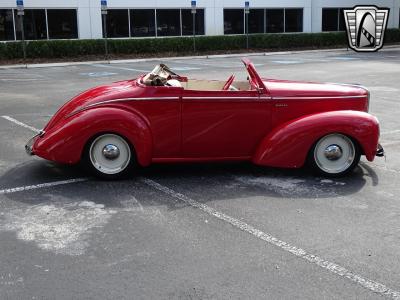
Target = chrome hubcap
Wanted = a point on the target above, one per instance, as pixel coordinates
(110, 154)
(333, 152)
(111, 151)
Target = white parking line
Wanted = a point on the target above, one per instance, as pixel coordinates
(390, 132)
(121, 68)
(41, 185)
(98, 74)
(184, 68)
(287, 62)
(201, 63)
(21, 124)
(19, 79)
(388, 144)
(373, 286)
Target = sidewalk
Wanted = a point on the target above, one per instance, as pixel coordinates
(120, 61)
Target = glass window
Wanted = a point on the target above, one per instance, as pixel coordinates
(34, 24)
(233, 21)
(117, 23)
(168, 22)
(6, 25)
(274, 20)
(342, 22)
(294, 20)
(256, 21)
(330, 19)
(143, 22)
(62, 24)
(187, 22)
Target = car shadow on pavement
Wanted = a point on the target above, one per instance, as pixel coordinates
(36, 172)
(244, 180)
(202, 182)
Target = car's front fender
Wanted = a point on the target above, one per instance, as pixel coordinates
(288, 145)
(65, 141)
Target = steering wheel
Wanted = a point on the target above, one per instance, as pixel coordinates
(228, 82)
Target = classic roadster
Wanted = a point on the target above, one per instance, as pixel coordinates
(162, 117)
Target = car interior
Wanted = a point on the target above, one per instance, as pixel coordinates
(164, 76)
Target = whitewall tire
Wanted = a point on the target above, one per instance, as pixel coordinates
(334, 155)
(109, 156)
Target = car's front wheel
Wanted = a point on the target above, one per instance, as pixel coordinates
(334, 155)
(109, 156)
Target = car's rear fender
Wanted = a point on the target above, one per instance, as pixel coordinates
(288, 145)
(65, 141)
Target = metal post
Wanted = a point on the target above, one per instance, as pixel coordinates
(193, 4)
(194, 32)
(21, 22)
(247, 11)
(20, 13)
(105, 34)
(247, 31)
(103, 4)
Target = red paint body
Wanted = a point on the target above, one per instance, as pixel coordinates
(275, 123)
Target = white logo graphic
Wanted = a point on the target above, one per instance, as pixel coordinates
(366, 27)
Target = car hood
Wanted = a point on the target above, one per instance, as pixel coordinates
(116, 90)
(286, 88)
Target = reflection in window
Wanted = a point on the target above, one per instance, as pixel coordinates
(256, 21)
(233, 21)
(269, 20)
(168, 22)
(117, 23)
(333, 19)
(342, 22)
(143, 22)
(294, 20)
(187, 22)
(34, 24)
(6, 25)
(274, 20)
(62, 23)
(330, 19)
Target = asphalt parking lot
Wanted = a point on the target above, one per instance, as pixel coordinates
(198, 231)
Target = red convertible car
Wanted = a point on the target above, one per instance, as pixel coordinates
(162, 117)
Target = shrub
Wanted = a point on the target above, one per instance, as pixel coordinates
(178, 45)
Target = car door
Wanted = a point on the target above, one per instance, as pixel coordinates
(223, 124)
(161, 106)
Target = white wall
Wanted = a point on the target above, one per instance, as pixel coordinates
(89, 16)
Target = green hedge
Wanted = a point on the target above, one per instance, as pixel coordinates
(178, 45)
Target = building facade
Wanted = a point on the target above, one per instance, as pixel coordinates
(81, 19)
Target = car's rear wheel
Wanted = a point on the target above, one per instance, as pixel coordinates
(109, 156)
(334, 155)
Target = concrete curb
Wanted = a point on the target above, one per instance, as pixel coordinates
(121, 61)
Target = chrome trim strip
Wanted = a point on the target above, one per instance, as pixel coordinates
(226, 98)
(122, 100)
(357, 85)
(316, 97)
(344, 84)
(132, 99)
(145, 99)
